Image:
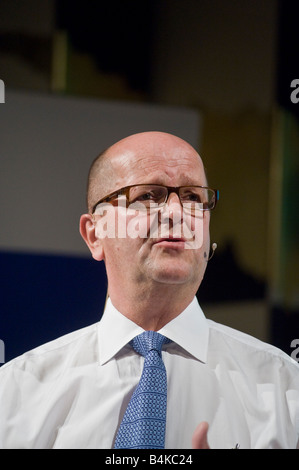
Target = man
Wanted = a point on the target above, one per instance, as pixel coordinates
(224, 388)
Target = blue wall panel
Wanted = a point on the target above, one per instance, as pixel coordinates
(43, 297)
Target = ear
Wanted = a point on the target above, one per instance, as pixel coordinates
(87, 230)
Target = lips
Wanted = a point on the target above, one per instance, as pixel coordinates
(171, 242)
(171, 239)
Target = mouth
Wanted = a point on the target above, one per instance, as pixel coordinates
(171, 242)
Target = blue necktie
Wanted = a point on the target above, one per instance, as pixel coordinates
(144, 422)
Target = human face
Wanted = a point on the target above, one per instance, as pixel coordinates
(153, 261)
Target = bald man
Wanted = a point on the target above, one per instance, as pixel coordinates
(148, 218)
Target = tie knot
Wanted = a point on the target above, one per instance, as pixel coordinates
(147, 341)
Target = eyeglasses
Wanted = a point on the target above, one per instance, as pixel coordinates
(147, 196)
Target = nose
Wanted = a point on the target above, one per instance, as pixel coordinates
(172, 210)
(173, 198)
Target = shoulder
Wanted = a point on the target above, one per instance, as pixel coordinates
(71, 348)
(244, 347)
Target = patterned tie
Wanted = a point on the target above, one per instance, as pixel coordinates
(143, 424)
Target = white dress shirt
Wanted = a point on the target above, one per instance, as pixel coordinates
(73, 391)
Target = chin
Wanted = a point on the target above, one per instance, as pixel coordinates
(173, 276)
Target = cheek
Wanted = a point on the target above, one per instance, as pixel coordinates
(122, 234)
(199, 231)
(119, 224)
(133, 224)
(206, 231)
(106, 222)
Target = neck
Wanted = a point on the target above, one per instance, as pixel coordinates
(154, 308)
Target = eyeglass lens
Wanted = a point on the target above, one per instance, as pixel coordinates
(192, 197)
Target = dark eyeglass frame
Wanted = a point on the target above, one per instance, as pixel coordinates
(112, 197)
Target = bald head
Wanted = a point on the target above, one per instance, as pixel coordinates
(132, 152)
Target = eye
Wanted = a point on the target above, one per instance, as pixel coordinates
(191, 196)
(194, 197)
(146, 194)
(143, 197)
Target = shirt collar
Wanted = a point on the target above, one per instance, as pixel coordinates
(189, 330)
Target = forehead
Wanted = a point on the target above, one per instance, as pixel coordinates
(155, 157)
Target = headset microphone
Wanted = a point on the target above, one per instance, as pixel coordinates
(214, 246)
